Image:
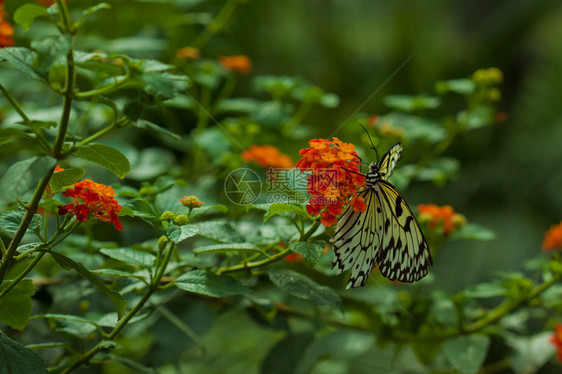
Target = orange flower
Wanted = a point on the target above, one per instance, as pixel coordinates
(6, 30)
(191, 202)
(267, 156)
(443, 217)
(553, 238)
(239, 64)
(335, 178)
(97, 201)
(556, 340)
(188, 53)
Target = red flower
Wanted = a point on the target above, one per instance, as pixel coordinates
(443, 217)
(92, 200)
(6, 29)
(335, 178)
(553, 238)
(556, 340)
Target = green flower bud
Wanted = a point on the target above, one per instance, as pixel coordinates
(181, 220)
(168, 216)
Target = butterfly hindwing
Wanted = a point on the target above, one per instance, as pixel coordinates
(353, 242)
(404, 253)
(389, 161)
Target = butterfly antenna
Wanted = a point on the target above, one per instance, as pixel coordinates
(372, 145)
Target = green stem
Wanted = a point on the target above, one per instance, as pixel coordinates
(216, 25)
(228, 87)
(15, 104)
(310, 231)
(23, 274)
(24, 225)
(255, 264)
(203, 116)
(118, 81)
(85, 358)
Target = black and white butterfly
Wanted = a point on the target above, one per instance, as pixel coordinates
(385, 236)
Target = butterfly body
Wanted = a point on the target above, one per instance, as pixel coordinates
(386, 235)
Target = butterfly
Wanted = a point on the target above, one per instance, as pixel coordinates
(385, 236)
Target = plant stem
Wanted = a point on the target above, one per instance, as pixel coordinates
(216, 25)
(255, 264)
(24, 225)
(15, 104)
(22, 275)
(310, 231)
(85, 358)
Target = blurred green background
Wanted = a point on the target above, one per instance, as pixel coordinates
(510, 177)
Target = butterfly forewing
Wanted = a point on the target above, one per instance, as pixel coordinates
(386, 235)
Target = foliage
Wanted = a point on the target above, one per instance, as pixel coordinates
(198, 252)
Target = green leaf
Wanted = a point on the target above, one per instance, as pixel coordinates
(37, 125)
(467, 353)
(16, 305)
(219, 230)
(278, 208)
(413, 127)
(238, 105)
(485, 290)
(26, 14)
(51, 50)
(130, 256)
(310, 251)
(224, 248)
(21, 59)
(143, 209)
(106, 156)
(530, 353)
(330, 100)
(165, 84)
(461, 86)
(154, 128)
(10, 222)
(304, 288)
(88, 12)
(411, 103)
(178, 234)
(17, 359)
(206, 283)
(478, 117)
(8, 134)
(118, 273)
(116, 298)
(64, 178)
(198, 212)
(23, 176)
(473, 231)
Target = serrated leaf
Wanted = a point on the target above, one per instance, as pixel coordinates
(310, 251)
(10, 222)
(106, 156)
(219, 230)
(149, 126)
(116, 298)
(21, 59)
(143, 209)
(178, 234)
(26, 14)
(130, 256)
(16, 305)
(467, 353)
(23, 176)
(223, 248)
(64, 178)
(278, 208)
(206, 283)
(17, 359)
(198, 212)
(303, 287)
(88, 12)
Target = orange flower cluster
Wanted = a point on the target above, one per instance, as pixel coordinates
(6, 30)
(188, 53)
(238, 64)
(267, 156)
(553, 238)
(191, 202)
(97, 201)
(443, 217)
(556, 340)
(334, 180)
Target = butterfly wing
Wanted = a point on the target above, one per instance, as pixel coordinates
(389, 161)
(404, 254)
(357, 240)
